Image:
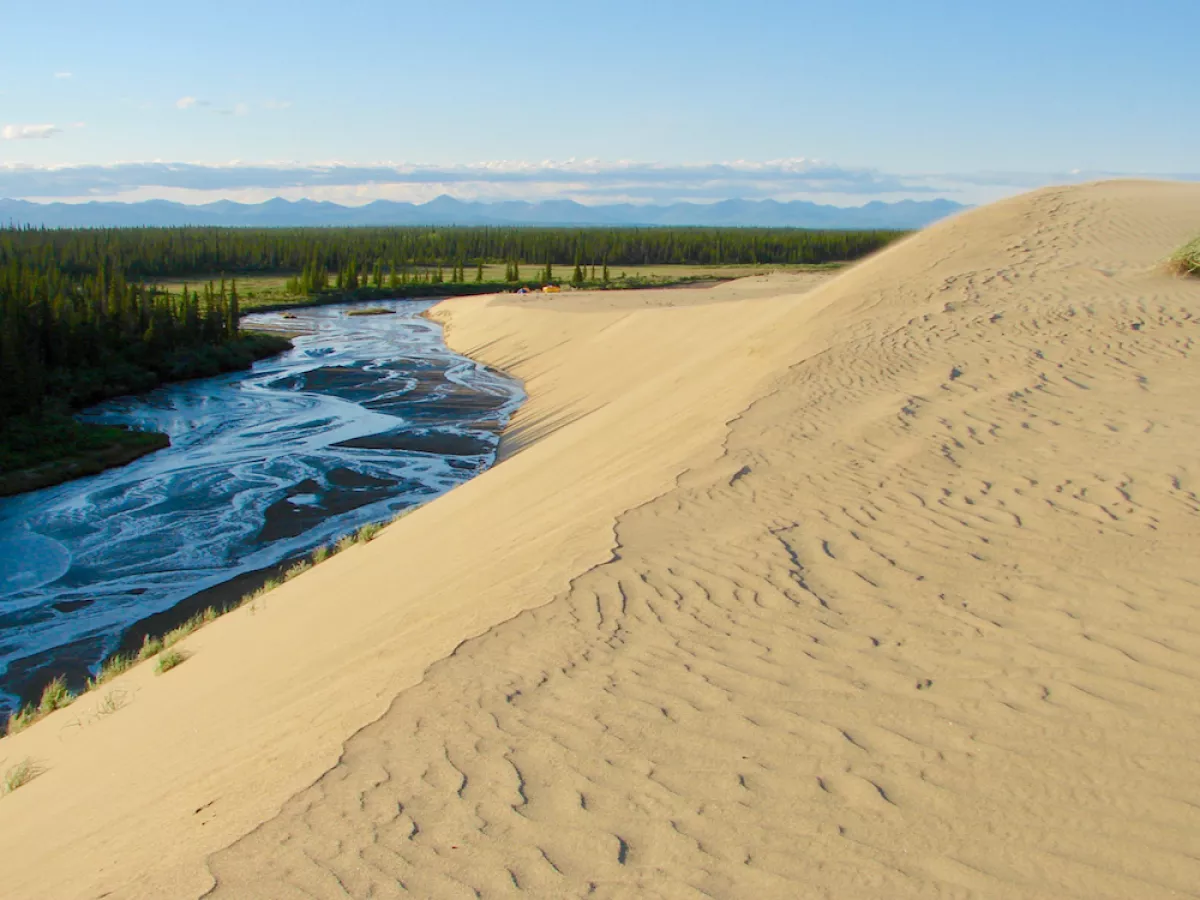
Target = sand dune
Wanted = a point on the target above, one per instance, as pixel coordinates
(886, 588)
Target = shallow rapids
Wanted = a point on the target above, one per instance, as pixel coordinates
(367, 416)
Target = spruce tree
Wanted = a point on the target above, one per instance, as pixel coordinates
(577, 275)
(234, 313)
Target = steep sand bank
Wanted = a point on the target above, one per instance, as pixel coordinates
(132, 802)
(884, 589)
(927, 627)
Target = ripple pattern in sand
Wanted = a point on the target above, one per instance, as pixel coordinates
(928, 629)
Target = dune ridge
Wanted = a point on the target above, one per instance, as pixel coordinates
(925, 627)
(883, 588)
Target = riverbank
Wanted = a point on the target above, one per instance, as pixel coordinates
(367, 418)
(819, 594)
(39, 451)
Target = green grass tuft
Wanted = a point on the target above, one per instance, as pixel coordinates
(21, 719)
(367, 533)
(22, 773)
(321, 554)
(110, 669)
(169, 659)
(55, 695)
(150, 646)
(298, 569)
(1186, 260)
(178, 633)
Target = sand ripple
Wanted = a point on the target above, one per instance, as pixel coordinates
(927, 626)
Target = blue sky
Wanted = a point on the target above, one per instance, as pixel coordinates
(865, 99)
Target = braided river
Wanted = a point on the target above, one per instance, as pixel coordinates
(368, 415)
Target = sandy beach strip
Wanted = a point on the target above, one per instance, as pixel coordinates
(882, 586)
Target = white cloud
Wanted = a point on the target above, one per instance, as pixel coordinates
(185, 102)
(241, 109)
(277, 104)
(28, 132)
(62, 74)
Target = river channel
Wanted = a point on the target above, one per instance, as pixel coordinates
(367, 416)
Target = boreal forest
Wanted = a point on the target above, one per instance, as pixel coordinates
(83, 315)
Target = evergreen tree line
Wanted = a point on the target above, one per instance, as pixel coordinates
(72, 339)
(143, 253)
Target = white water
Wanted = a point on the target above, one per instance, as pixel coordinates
(82, 561)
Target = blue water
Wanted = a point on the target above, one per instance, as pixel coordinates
(254, 475)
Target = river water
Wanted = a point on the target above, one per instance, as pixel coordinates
(367, 416)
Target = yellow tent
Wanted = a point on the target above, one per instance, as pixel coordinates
(551, 289)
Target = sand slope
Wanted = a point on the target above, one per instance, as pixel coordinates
(920, 620)
(133, 801)
(926, 627)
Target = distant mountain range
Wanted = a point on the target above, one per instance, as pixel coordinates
(446, 210)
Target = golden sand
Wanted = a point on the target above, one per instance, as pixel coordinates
(884, 586)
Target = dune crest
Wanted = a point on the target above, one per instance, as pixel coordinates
(924, 628)
(882, 588)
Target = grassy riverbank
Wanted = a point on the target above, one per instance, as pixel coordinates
(50, 446)
(37, 452)
(271, 291)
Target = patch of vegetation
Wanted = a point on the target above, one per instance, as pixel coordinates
(110, 703)
(367, 533)
(37, 451)
(20, 774)
(150, 647)
(55, 695)
(298, 569)
(1186, 260)
(42, 444)
(110, 669)
(169, 659)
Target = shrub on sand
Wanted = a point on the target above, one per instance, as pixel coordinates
(22, 773)
(21, 719)
(110, 703)
(110, 669)
(367, 533)
(320, 554)
(178, 633)
(150, 646)
(1186, 260)
(55, 695)
(298, 569)
(169, 659)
